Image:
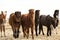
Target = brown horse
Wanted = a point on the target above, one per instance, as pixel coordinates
(2, 21)
(15, 21)
(27, 22)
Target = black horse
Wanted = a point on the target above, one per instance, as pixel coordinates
(46, 21)
(36, 20)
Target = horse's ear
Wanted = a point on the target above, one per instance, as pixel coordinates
(1, 12)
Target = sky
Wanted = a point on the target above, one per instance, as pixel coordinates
(46, 7)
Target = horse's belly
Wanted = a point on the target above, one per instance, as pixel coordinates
(44, 23)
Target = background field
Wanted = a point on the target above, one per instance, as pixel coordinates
(9, 34)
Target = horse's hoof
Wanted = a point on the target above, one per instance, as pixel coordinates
(43, 34)
(47, 35)
(50, 34)
(27, 37)
(36, 34)
(24, 36)
(33, 38)
(39, 32)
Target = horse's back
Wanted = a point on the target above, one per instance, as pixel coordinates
(42, 19)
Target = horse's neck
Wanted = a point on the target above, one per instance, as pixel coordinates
(30, 16)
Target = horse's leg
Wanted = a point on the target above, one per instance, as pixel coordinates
(27, 33)
(42, 31)
(36, 29)
(19, 28)
(1, 31)
(32, 32)
(24, 31)
(4, 30)
(48, 31)
(40, 28)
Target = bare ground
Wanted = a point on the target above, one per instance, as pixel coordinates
(9, 34)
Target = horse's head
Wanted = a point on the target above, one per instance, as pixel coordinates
(56, 14)
(31, 11)
(18, 16)
(55, 22)
(55, 19)
(37, 12)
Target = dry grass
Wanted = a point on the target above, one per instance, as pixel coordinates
(9, 34)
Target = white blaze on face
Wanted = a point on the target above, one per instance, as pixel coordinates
(57, 16)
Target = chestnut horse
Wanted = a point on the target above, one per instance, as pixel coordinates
(15, 21)
(36, 20)
(27, 22)
(2, 21)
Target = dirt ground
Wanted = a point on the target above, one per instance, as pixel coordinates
(9, 34)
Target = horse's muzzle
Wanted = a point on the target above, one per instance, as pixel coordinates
(16, 34)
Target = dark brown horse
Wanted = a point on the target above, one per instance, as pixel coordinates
(15, 21)
(2, 21)
(36, 20)
(48, 21)
(27, 22)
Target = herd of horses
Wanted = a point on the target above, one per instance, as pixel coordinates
(28, 21)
